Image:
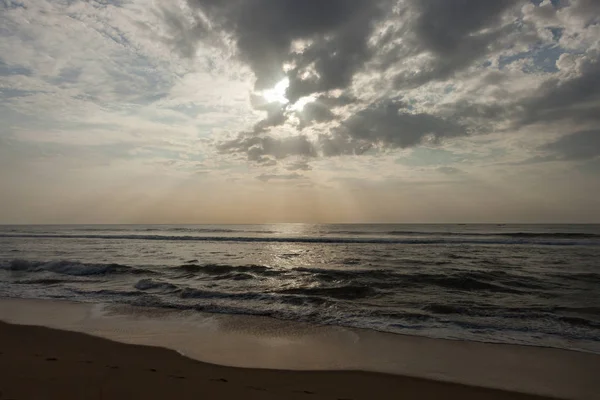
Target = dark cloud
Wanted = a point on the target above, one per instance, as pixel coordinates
(587, 10)
(315, 112)
(455, 33)
(259, 148)
(340, 143)
(336, 32)
(321, 46)
(583, 145)
(334, 38)
(275, 117)
(450, 27)
(332, 61)
(332, 45)
(574, 98)
(389, 123)
(385, 124)
(340, 101)
(577, 98)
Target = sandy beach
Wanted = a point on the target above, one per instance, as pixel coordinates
(43, 363)
(67, 350)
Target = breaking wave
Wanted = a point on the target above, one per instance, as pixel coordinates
(466, 292)
(69, 268)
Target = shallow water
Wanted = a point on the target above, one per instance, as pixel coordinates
(521, 284)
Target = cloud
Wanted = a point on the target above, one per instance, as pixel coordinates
(583, 145)
(449, 170)
(281, 177)
(301, 165)
(392, 125)
(453, 35)
(446, 28)
(399, 92)
(325, 52)
(259, 148)
(385, 125)
(371, 74)
(335, 34)
(315, 112)
(576, 96)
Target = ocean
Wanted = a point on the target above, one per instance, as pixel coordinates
(535, 285)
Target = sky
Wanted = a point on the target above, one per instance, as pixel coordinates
(261, 111)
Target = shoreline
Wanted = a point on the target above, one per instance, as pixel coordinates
(264, 343)
(39, 362)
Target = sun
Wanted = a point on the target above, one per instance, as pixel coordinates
(277, 94)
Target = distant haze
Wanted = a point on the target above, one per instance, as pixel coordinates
(256, 111)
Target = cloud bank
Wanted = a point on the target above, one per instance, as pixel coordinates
(476, 102)
(369, 66)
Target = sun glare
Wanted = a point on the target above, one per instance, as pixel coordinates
(277, 94)
(299, 105)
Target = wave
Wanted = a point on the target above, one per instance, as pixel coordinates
(491, 281)
(69, 268)
(472, 298)
(106, 293)
(327, 274)
(557, 235)
(464, 282)
(540, 235)
(150, 284)
(520, 240)
(48, 281)
(265, 298)
(488, 311)
(349, 292)
(233, 270)
(206, 230)
(595, 311)
(589, 277)
(514, 313)
(356, 282)
(147, 229)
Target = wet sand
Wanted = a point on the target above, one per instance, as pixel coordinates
(43, 363)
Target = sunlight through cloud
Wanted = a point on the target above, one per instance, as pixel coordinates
(277, 94)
